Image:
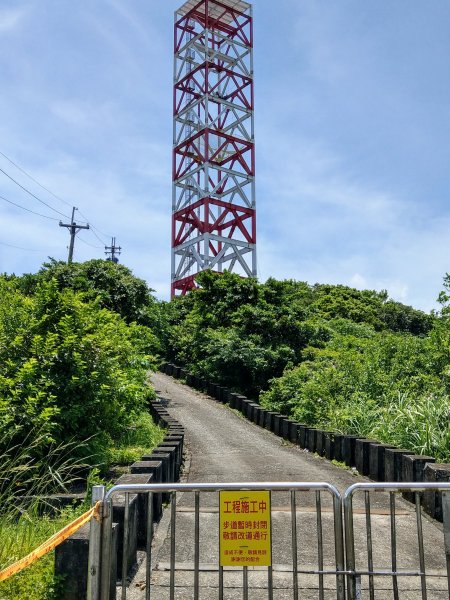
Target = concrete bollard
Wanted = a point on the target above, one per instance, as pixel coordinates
(338, 442)
(284, 433)
(173, 453)
(303, 436)
(276, 423)
(330, 437)
(262, 417)
(233, 399)
(320, 442)
(348, 449)
(413, 466)
(142, 504)
(71, 564)
(376, 461)
(362, 449)
(393, 463)
(154, 467)
(118, 507)
(268, 420)
(175, 446)
(311, 441)
(294, 430)
(432, 501)
(167, 468)
(256, 414)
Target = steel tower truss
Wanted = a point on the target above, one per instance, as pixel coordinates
(214, 216)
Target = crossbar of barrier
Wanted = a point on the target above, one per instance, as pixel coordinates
(197, 489)
(353, 574)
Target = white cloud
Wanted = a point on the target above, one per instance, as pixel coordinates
(83, 114)
(87, 110)
(10, 18)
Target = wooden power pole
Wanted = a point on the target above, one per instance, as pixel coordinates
(73, 229)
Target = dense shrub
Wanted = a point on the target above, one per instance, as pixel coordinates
(330, 356)
(69, 369)
(112, 285)
(243, 334)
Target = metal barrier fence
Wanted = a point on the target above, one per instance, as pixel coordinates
(323, 503)
(385, 541)
(307, 532)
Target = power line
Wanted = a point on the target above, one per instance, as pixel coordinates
(28, 209)
(22, 170)
(35, 180)
(99, 238)
(33, 195)
(89, 226)
(88, 244)
(96, 228)
(18, 247)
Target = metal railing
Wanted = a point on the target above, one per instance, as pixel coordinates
(389, 546)
(291, 511)
(375, 526)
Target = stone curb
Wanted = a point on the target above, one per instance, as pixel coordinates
(163, 465)
(380, 462)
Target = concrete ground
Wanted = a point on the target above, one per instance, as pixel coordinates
(224, 447)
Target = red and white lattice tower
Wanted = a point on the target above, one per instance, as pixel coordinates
(214, 216)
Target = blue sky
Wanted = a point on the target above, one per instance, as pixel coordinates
(352, 132)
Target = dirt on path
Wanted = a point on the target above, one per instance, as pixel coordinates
(224, 447)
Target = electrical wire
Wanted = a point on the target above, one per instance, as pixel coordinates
(28, 209)
(35, 180)
(95, 229)
(18, 247)
(33, 195)
(88, 244)
(98, 237)
(92, 227)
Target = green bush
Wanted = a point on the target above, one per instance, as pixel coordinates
(69, 369)
(243, 334)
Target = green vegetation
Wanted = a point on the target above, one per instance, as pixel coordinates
(17, 539)
(22, 528)
(70, 368)
(330, 356)
(76, 345)
(77, 342)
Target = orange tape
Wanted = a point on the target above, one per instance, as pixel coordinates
(51, 543)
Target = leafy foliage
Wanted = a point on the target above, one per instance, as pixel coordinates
(243, 334)
(76, 344)
(68, 368)
(330, 356)
(112, 285)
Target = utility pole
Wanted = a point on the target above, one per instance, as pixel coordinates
(74, 229)
(113, 251)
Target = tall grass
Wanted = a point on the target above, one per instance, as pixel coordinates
(27, 476)
(420, 423)
(137, 440)
(18, 538)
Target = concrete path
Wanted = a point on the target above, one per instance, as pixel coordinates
(224, 447)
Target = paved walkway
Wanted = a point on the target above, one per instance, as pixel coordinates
(224, 447)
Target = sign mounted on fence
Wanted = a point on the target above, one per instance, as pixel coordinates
(245, 529)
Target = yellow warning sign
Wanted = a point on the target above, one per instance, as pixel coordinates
(245, 529)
